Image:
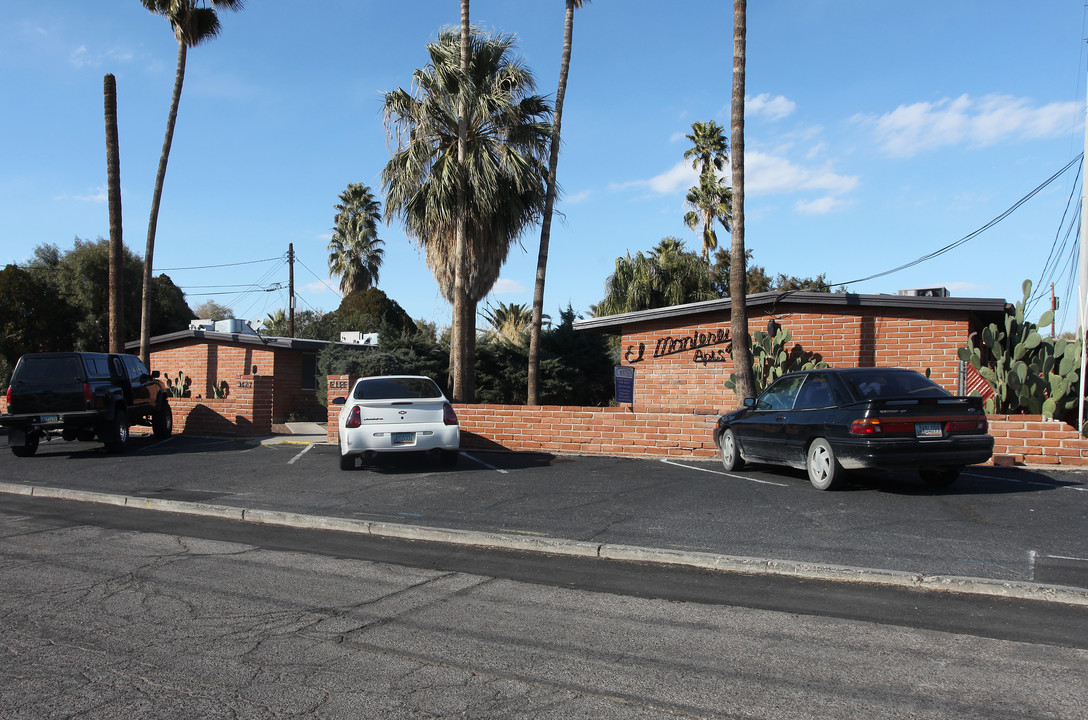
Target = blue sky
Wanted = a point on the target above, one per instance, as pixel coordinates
(876, 133)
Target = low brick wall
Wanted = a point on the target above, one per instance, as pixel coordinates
(1035, 440)
(246, 411)
(618, 431)
(564, 430)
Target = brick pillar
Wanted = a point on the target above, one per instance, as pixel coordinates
(338, 387)
(252, 406)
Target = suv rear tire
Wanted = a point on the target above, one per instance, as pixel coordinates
(162, 421)
(115, 432)
(28, 448)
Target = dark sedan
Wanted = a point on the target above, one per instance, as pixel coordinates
(832, 420)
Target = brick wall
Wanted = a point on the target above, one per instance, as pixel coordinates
(210, 363)
(683, 368)
(1035, 440)
(246, 411)
(623, 432)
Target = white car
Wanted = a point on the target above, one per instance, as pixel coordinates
(395, 414)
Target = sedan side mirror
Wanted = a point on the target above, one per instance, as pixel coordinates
(339, 400)
(749, 402)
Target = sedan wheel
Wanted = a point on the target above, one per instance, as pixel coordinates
(731, 459)
(347, 462)
(824, 470)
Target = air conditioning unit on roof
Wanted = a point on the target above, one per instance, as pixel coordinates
(359, 338)
(926, 292)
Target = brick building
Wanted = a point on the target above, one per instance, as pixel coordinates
(238, 383)
(681, 354)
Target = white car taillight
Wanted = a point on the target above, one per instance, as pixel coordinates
(449, 417)
(354, 418)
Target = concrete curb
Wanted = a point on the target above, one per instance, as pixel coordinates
(576, 548)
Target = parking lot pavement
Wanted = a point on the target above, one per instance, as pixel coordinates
(998, 530)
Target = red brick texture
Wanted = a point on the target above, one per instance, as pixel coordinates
(683, 368)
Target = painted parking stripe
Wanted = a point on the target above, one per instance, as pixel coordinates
(305, 450)
(722, 472)
(486, 465)
(1052, 485)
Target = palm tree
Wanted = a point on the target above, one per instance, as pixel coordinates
(489, 195)
(355, 254)
(709, 149)
(117, 245)
(668, 275)
(509, 322)
(276, 323)
(710, 200)
(533, 394)
(738, 314)
(192, 24)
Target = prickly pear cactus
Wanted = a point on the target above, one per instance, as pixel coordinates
(771, 360)
(1027, 372)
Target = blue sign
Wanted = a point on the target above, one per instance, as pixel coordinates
(625, 385)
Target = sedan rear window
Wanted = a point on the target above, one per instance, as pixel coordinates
(870, 384)
(396, 389)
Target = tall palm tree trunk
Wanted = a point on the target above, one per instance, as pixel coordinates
(459, 341)
(742, 355)
(152, 224)
(533, 394)
(116, 255)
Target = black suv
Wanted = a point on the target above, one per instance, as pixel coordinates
(83, 396)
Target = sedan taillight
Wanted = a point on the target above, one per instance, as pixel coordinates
(449, 417)
(874, 426)
(355, 419)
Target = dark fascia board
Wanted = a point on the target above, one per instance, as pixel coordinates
(280, 343)
(985, 307)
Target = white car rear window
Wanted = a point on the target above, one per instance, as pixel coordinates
(396, 389)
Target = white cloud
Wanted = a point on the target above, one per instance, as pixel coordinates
(81, 57)
(910, 129)
(506, 286)
(765, 174)
(99, 195)
(775, 108)
(820, 206)
(769, 174)
(678, 178)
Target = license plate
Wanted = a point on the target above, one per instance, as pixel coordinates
(928, 430)
(404, 438)
(47, 418)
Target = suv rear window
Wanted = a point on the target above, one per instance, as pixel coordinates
(396, 389)
(48, 370)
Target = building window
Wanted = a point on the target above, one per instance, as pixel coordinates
(309, 371)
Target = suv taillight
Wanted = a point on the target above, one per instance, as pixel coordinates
(7, 395)
(449, 417)
(87, 394)
(354, 418)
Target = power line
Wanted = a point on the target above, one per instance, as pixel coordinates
(971, 235)
(229, 264)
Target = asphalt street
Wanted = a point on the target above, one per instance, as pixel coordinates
(1002, 531)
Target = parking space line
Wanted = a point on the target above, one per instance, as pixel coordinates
(722, 472)
(155, 445)
(1052, 485)
(305, 450)
(481, 462)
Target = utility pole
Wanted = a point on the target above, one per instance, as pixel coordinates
(291, 289)
(1053, 309)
